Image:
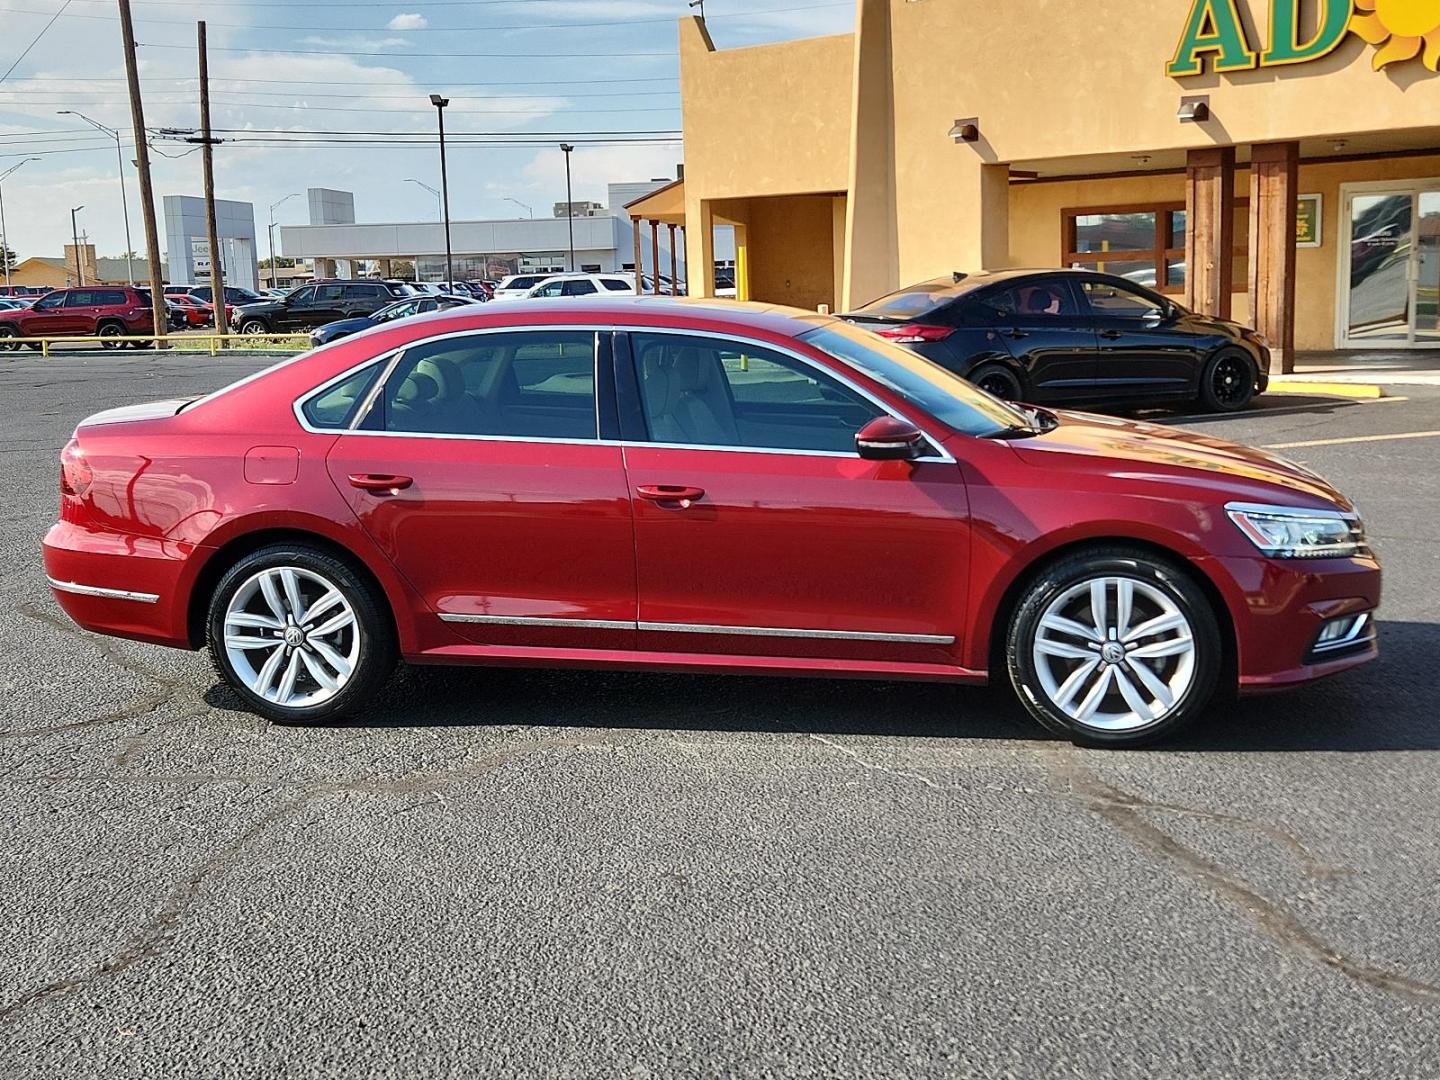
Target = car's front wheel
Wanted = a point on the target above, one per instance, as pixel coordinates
(7, 334)
(1228, 382)
(1113, 647)
(301, 636)
(254, 326)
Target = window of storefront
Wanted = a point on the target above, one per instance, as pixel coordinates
(1144, 243)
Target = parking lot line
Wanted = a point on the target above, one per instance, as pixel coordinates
(1353, 439)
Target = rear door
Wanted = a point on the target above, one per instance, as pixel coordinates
(480, 473)
(1043, 322)
(1143, 350)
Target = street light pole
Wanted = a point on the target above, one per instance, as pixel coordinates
(440, 103)
(517, 202)
(75, 239)
(569, 203)
(4, 244)
(271, 231)
(438, 211)
(124, 199)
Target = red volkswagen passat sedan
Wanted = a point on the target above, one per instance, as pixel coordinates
(704, 487)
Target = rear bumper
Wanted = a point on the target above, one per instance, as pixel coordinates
(1279, 606)
(126, 586)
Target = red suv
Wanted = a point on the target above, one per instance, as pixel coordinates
(108, 311)
(675, 486)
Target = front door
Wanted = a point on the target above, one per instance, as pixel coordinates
(1044, 325)
(1391, 266)
(480, 473)
(760, 531)
(1142, 350)
(48, 316)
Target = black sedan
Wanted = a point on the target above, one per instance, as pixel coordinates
(401, 309)
(1069, 337)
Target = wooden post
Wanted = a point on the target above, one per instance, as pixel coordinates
(639, 279)
(159, 315)
(1274, 171)
(687, 264)
(1210, 229)
(217, 276)
(674, 265)
(655, 253)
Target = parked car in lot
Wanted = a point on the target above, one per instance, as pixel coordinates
(20, 291)
(516, 286)
(1056, 337)
(576, 285)
(312, 306)
(233, 294)
(662, 485)
(106, 311)
(8, 303)
(400, 309)
(196, 313)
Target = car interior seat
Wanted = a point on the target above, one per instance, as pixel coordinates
(687, 396)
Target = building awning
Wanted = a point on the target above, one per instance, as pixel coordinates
(665, 205)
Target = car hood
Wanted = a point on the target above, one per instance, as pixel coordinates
(1150, 451)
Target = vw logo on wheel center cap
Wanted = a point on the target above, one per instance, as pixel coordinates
(1113, 652)
(294, 637)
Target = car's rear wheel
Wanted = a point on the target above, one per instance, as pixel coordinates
(110, 334)
(7, 336)
(1228, 382)
(1113, 647)
(254, 326)
(300, 635)
(998, 381)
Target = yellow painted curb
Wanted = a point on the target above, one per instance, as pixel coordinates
(1334, 389)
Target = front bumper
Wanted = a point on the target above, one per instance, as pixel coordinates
(1279, 606)
(126, 586)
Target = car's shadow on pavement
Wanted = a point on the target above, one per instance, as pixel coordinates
(1272, 404)
(1386, 705)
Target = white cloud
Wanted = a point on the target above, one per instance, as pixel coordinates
(408, 20)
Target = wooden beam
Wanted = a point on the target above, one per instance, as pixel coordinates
(655, 253)
(674, 266)
(635, 233)
(1210, 229)
(1274, 189)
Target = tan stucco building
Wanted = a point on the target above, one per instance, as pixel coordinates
(1185, 144)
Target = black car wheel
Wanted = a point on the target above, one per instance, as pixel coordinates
(6, 333)
(998, 381)
(254, 326)
(1228, 383)
(109, 335)
(1113, 646)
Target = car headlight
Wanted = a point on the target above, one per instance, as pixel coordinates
(1283, 532)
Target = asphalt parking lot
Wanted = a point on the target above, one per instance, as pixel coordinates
(528, 874)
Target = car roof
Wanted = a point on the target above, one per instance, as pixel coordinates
(718, 313)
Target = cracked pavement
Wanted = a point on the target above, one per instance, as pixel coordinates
(526, 874)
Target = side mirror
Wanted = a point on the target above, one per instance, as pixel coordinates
(888, 439)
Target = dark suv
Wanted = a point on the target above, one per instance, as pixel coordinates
(315, 305)
(109, 311)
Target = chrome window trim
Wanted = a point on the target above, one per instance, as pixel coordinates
(700, 628)
(109, 594)
(942, 456)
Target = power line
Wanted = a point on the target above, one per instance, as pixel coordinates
(34, 41)
(427, 55)
(392, 82)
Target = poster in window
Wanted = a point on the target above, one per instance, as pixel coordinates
(1307, 221)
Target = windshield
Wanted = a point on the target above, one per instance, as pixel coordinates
(398, 310)
(943, 394)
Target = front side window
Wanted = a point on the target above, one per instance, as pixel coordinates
(552, 289)
(1116, 302)
(333, 408)
(51, 302)
(534, 384)
(303, 296)
(710, 391)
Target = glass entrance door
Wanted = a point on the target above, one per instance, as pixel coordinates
(1393, 267)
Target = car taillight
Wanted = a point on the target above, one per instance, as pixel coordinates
(75, 473)
(913, 333)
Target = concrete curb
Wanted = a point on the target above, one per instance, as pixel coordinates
(1288, 384)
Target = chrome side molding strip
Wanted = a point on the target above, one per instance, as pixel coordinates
(702, 628)
(109, 594)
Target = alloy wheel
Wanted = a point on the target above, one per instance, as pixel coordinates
(292, 637)
(107, 337)
(1114, 654)
(254, 327)
(1230, 381)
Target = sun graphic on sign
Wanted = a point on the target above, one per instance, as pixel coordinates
(1401, 29)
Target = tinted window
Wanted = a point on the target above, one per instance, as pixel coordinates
(942, 394)
(1116, 302)
(364, 292)
(333, 408)
(110, 297)
(616, 285)
(702, 391)
(202, 293)
(1046, 298)
(80, 298)
(552, 289)
(329, 293)
(530, 384)
(577, 288)
(305, 295)
(50, 302)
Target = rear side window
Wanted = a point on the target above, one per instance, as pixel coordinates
(908, 303)
(1047, 298)
(580, 287)
(534, 384)
(616, 285)
(334, 407)
(363, 292)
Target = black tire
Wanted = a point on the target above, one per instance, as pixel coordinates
(110, 330)
(254, 326)
(1196, 672)
(1228, 382)
(7, 332)
(373, 647)
(997, 380)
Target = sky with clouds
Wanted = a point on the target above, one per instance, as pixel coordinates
(288, 76)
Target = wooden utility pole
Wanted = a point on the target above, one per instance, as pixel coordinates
(217, 277)
(147, 193)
